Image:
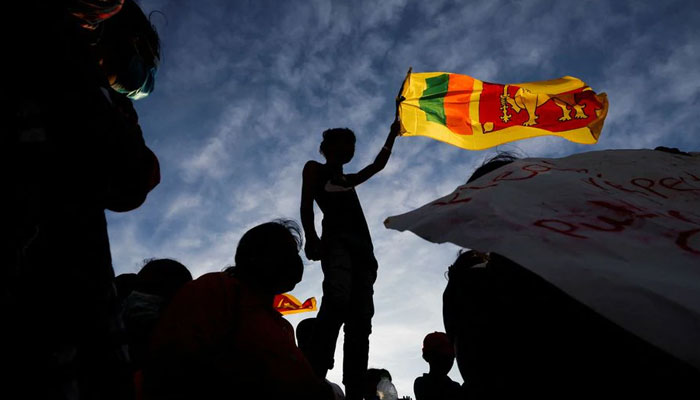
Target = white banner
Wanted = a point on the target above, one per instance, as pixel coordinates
(619, 230)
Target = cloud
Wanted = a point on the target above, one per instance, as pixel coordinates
(245, 91)
(181, 204)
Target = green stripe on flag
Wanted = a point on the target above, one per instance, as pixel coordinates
(432, 101)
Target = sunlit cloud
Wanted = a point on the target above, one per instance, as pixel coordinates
(245, 91)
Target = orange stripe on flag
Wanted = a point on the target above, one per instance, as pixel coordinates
(476, 115)
(456, 104)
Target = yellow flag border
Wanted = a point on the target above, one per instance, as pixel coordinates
(408, 109)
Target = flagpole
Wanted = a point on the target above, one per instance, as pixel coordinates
(399, 97)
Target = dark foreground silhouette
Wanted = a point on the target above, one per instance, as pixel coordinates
(153, 290)
(71, 148)
(221, 338)
(517, 335)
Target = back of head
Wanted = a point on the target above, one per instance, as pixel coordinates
(332, 137)
(163, 277)
(305, 334)
(437, 344)
(268, 256)
(125, 284)
(373, 377)
(439, 353)
(498, 161)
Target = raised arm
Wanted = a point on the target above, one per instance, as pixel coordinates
(310, 177)
(379, 161)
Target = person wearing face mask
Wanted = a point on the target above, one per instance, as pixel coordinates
(71, 148)
(128, 51)
(221, 336)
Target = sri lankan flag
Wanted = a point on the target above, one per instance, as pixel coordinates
(475, 115)
(288, 304)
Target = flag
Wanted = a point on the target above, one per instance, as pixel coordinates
(475, 115)
(288, 304)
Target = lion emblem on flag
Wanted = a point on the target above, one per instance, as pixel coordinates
(529, 101)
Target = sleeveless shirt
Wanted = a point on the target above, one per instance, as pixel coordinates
(342, 212)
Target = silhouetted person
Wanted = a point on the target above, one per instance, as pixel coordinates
(517, 335)
(221, 337)
(125, 284)
(157, 283)
(499, 160)
(71, 148)
(436, 385)
(305, 339)
(378, 386)
(346, 254)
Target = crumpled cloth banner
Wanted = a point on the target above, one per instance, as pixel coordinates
(619, 230)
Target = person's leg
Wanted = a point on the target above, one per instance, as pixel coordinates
(337, 278)
(358, 325)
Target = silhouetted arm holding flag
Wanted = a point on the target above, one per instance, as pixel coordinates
(380, 161)
(313, 180)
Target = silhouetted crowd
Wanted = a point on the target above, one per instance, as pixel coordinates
(72, 148)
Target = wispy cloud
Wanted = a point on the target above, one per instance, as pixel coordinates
(246, 88)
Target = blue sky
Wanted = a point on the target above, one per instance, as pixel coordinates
(246, 88)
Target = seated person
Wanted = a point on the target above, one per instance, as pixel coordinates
(221, 337)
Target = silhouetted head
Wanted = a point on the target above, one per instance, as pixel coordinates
(163, 277)
(438, 352)
(492, 164)
(372, 378)
(672, 150)
(125, 284)
(129, 51)
(268, 256)
(338, 145)
(305, 334)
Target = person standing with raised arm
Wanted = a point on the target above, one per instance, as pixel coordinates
(346, 253)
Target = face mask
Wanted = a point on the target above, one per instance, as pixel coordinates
(146, 88)
(138, 81)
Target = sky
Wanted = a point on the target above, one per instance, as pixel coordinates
(245, 89)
